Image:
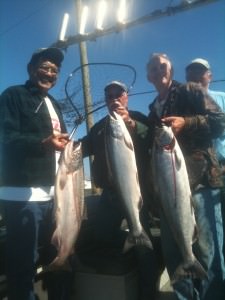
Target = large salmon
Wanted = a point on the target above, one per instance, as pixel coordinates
(173, 188)
(122, 167)
(69, 201)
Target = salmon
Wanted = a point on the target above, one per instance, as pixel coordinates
(123, 172)
(68, 202)
(172, 186)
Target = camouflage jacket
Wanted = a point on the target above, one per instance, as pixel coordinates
(204, 121)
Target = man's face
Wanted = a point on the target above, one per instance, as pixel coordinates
(159, 71)
(44, 74)
(199, 74)
(116, 97)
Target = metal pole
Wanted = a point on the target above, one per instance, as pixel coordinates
(86, 88)
(155, 15)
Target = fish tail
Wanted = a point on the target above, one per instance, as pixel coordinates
(59, 263)
(189, 270)
(141, 240)
(61, 257)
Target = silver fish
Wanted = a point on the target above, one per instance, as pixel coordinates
(173, 188)
(122, 167)
(69, 201)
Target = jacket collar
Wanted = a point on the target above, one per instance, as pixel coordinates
(33, 89)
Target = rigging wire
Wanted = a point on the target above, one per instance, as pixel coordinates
(23, 20)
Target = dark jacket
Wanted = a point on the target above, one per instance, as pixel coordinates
(204, 121)
(24, 123)
(94, 144)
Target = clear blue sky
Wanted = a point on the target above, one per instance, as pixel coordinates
(26, 25)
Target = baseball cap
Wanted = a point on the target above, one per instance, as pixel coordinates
(199, 61)
(116, 83)
(53, 54)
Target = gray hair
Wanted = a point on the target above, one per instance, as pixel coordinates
(156, 55)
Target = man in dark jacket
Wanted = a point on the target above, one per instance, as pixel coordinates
(110, 212)
(195, 120)
(32, 134)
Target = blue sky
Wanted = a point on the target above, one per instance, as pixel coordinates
(26, 25)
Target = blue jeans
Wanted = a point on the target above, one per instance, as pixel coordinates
(29, 225)
(208, 249)
(223, 212)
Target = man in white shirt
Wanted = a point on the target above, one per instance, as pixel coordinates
(31, 132)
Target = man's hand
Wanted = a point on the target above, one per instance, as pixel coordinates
(56, 141)
(176, 123)
(124, 113)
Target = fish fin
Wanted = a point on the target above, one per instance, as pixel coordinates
(190, 270)
(85, 213)
(128, 142)
(56, 239)
(62, 181)
(141, 240)
(195, 234)
(177, 160)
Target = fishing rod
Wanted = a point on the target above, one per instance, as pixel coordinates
(123, 72)
(74, 83)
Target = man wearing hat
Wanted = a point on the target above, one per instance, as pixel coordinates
(195, 120)
(32, 134)
(107, 222)
(199, 71)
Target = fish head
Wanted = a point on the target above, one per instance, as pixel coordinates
(164, 136)
(116, 125)
(72, 157)
(76, 158)
(117, 130)
(115, 116)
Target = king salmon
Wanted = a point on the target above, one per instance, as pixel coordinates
(123, 173)
(173, 188)
(69, 201)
